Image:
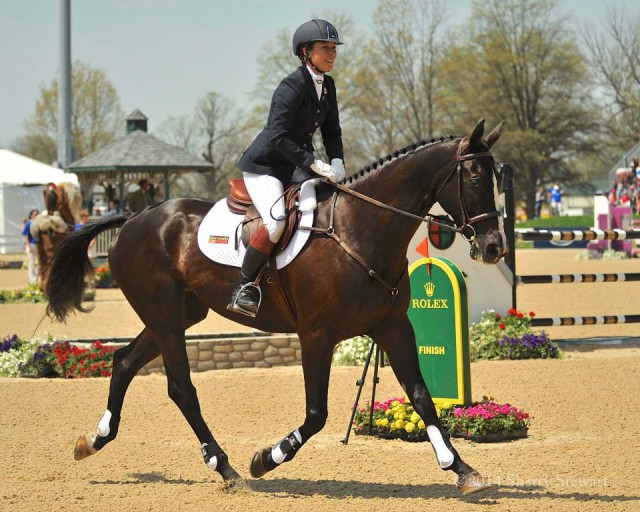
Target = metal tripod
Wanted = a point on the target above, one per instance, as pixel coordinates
(378, 361)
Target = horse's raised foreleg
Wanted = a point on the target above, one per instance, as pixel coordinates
(127, 361)
(316, 364)
(396, 337)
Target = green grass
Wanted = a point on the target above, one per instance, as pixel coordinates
(577, 221)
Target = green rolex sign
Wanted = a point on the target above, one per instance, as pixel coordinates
(438, 312)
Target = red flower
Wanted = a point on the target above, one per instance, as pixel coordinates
(497, 316)
(501, 325)
(532, 314)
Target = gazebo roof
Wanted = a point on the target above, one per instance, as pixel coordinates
(139, 151)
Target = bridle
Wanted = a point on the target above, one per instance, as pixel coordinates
(467, 221)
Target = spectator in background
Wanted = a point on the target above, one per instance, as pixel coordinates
(539, 201)
(31, 248)
(141, 198)
(555, 199)
(114, 207)
(613, 193)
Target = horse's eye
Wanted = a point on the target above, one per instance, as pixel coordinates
(475, 181)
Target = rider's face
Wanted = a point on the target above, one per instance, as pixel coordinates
(323, 55)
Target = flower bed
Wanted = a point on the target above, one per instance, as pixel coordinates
(509, 337)
(104, 278)
(484, 421)
(30, 295)
(53, 358)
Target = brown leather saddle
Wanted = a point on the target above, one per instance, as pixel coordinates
(239, 202)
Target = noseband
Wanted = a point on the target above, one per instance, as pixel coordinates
(467, 222)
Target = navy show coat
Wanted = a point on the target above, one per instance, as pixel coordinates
(285, 143)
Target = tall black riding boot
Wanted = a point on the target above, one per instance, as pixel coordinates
(247, 296)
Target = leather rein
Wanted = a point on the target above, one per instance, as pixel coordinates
(466, 220)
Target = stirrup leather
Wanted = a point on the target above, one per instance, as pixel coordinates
(242, 302)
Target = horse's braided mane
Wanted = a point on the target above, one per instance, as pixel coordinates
(364, 171)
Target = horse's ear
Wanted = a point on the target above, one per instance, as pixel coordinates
(493, 137)
(477, 134)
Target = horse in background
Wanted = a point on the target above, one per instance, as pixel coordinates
(63, 203)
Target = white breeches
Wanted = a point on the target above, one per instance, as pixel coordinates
(266, 193)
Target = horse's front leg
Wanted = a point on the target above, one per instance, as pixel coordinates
(397, 338)
(316, 365)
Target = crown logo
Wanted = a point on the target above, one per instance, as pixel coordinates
(429, 288)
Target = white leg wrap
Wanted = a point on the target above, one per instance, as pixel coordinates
(443, 454)
(276, 452)
(103, 424)
(308, 200)
(213, 463)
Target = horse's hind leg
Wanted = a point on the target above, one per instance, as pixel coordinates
(396, 337)
(127, 362)
(168, 320)
(316, 365)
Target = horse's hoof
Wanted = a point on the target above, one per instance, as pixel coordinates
(472, 483)
(257, 469)
(229, 474)
(84, 447)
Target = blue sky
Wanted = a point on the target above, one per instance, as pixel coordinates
(164, 55)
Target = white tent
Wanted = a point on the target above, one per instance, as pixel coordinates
(21, 186)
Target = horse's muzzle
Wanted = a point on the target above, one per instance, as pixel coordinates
(487, 249)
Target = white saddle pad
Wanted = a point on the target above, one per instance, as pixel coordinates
(219, 229)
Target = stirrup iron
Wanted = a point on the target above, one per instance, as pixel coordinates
(246, 289)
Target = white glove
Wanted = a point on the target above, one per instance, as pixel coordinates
(338, 166)
(319, 167)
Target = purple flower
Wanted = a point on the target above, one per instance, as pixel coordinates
(9, 343)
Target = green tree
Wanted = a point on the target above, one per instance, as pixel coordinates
(396, 87)
(518, 60)
(215, 132)
(614, 55)
(97, 117)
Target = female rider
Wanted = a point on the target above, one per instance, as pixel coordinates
(303, 102)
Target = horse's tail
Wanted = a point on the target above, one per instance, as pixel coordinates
(71, 266)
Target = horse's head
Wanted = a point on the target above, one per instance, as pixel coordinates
(469, 195)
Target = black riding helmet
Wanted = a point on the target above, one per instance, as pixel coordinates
(311, 31)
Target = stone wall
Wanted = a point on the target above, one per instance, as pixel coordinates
(246, 350)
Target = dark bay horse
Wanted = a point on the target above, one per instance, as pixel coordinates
(350, 279)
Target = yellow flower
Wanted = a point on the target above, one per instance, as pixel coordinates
(389, 412)
(409, 427)
(415, 417)
(421, 425)
(383, 422)
(399, 424)
(395, 403)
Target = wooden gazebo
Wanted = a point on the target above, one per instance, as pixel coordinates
(136, 156)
